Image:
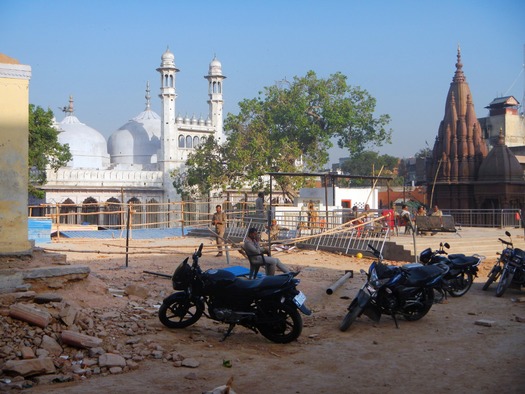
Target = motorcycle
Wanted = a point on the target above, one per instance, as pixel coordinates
(269, 305)
(407, 291)
(509, 268)
(462, 269)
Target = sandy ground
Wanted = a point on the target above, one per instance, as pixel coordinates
(444, 352)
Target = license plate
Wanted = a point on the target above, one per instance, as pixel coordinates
(299, 299)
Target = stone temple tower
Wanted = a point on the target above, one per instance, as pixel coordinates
(459, 148)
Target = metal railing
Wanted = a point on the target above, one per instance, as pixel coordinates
(294, 223)
(486, 217)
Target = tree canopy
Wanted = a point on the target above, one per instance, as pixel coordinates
(287, 128)
(44, 149)
(370, 163)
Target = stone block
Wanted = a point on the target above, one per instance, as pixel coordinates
(30, 314)
(36, 366)
(79, 340)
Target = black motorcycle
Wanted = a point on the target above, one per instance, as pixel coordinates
(509, 268)
(269, 305)
(462, 269)
(407, 291)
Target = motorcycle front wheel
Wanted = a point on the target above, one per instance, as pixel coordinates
(461, 284)
(281, 323)
(353, 312)
(504, 282)
(417, 311)
(178, 311)
(493, 276)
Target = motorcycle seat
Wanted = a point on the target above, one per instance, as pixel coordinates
(266, 282)
(421, 276)
(519, 253)
(461, 259)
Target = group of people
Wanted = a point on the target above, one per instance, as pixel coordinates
(407, 220)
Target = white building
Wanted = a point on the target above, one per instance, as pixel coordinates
(136, 161)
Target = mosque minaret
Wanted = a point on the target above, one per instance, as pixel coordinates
(137, 161)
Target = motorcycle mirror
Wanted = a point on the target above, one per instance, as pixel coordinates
(507, 233)
(199, 251)
(446, 245)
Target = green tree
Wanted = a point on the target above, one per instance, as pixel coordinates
(369, 163)
(44, 149)
(287, 128)
(423, 153)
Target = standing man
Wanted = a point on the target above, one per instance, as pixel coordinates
(219, 221)
(259, 205)
(406, 219)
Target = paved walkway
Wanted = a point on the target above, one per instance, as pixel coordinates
(468, 240)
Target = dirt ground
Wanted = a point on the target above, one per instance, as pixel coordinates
(444, 352)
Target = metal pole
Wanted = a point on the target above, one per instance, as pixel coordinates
(127, 233)
(269, 221)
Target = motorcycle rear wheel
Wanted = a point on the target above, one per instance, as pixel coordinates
(461, 284)
(281, 323)
(493, 276)
(178, 311)
(413, 314)
(504, 282)
(353, 312)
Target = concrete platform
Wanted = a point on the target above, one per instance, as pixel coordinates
(468, 240)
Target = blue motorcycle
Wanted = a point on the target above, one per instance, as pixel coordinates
(509, 268)
(406, 291)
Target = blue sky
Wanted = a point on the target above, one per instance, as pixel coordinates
(402, 52)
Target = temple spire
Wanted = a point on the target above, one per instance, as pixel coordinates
(458, 75)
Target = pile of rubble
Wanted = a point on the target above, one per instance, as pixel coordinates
(45, 339)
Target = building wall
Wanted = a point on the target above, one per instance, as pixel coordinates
(512, 125)
(14, 135)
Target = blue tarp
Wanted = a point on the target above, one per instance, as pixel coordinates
(147, 233)
(39, 230)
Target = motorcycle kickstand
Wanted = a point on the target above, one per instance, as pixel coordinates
(228, 333)
(395, 319)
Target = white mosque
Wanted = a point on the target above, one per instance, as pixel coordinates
(134, 165)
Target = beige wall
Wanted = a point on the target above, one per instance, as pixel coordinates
(14, 102)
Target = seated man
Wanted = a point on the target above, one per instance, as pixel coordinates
(253, 248)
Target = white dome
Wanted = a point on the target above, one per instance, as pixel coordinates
(215, 67)
(86, 144)
(138, 141)
(168, 59)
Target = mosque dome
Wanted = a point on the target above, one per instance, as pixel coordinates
(87, 146)
(168, 59)
(500, 165)
(138, 141)
(215, 67)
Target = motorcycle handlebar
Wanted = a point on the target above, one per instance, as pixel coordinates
(198, 252)
(376, 252)
(504, 242)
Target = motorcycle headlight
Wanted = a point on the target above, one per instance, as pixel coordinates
(373, 275)
(377, 283)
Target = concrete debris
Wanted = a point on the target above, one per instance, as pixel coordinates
(485, 323)
(57, 340)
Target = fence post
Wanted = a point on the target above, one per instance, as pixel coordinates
(182, 217)
(128, 225)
